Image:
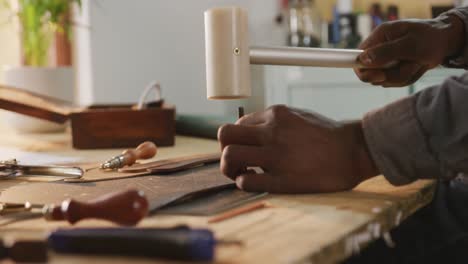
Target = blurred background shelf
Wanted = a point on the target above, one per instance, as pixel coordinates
(120, 46)
(337, 93)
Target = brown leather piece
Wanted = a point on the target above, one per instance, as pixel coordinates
(174, 163)
(32, 104)
(90, 126)
(160, 190)
(150, 168)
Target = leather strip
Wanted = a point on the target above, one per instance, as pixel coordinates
(161, 167)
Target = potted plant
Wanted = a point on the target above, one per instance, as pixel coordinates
(45, 68)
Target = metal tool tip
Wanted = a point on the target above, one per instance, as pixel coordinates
(240, 112)
(105, 166)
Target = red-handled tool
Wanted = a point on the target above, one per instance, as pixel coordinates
(123, 208)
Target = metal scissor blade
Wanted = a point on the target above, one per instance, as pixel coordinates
(61, 171)
(19, 216)
(14, 212)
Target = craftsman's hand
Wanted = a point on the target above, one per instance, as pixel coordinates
(298, 151)
(411, 46)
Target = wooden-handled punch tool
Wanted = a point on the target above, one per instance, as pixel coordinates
(145, 150)
(123, 208)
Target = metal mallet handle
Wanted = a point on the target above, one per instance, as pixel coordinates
(316, 57)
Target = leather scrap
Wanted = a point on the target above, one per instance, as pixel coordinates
(173, 163)
(160, 190)
(161, 167)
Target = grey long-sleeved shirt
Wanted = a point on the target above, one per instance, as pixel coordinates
(424, 135)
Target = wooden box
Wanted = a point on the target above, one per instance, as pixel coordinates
(103, 126)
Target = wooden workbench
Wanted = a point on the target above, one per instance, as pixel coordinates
(318, 228)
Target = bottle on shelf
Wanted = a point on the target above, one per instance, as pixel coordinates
(312, 25)
(304, 24)
(392, 13)
(376, 14)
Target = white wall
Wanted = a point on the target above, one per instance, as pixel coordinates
(130, 43)
(9, 47)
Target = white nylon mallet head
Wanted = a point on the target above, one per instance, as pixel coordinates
(227, 53)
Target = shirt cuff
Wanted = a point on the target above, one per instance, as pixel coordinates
(461, 60)
(397, 143)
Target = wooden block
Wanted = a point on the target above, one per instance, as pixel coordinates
(123, 127)
(104, 126)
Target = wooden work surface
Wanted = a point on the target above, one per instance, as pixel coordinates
(318, 228)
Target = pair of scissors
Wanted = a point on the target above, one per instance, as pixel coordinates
(11, 169)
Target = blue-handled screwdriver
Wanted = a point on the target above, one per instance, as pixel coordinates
(179, 243)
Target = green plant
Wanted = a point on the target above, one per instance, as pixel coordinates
(39, 21)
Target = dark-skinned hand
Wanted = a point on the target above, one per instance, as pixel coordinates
(299, 152)
(411, 46)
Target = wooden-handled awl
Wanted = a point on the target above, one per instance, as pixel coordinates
(145, 150)
(123, 208)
